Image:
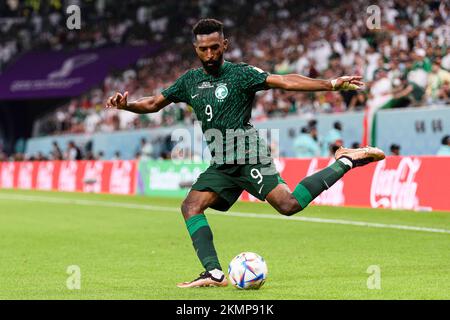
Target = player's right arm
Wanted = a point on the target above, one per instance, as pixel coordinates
(177, 92)
(143, 105)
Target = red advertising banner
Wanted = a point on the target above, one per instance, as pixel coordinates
(416, 183)
(117, 177)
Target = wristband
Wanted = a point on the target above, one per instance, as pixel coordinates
(345, 86)
(333, 84)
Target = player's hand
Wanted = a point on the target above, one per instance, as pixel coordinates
(118, 101)
(347, 83)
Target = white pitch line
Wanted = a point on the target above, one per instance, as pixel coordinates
(230, 213)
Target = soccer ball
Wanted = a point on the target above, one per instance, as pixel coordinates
(247, 270)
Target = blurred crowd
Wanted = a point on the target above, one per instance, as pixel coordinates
(307, 144)
(41, 24)
(406, 57)
(158, 148)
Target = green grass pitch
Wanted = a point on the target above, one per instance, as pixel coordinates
(138, 248)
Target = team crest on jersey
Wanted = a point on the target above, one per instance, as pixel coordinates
(221, 91)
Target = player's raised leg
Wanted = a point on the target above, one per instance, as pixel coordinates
(202, 238)
(309, 188)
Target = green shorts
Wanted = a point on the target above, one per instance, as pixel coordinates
(228, 181)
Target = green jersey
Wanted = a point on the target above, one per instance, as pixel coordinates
(223, 105)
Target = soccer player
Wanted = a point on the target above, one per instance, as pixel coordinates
(221, 94)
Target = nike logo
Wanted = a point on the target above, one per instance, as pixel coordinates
(260, 189)
(192, 97)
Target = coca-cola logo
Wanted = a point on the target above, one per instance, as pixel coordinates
(334, 196)
(92, 179)
(68, 176)
(25, 175)
(395, 188)
(121, 177)
(45, 175)
(7, 175)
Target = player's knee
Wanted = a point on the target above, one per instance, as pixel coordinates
(190, 208)
(289, 208)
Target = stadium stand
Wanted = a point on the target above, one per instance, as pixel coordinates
(408, 58)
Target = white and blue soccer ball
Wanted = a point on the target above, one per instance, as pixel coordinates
(247, 270)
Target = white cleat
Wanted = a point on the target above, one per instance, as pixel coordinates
(361, 156)
(205, 279)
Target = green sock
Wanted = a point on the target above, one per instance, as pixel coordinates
(202, 239)
(310, 187)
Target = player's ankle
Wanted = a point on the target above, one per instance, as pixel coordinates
(347, 161)
(216, 273)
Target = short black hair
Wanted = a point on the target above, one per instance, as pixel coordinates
(337, 125)
(445, 140)
(355, 145)
(312, 123)
(207, 26)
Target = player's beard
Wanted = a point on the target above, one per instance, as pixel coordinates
(212, 67)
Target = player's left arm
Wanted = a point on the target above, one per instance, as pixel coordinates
(296, 82)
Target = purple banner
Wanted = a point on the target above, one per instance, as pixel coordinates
(63, 74)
